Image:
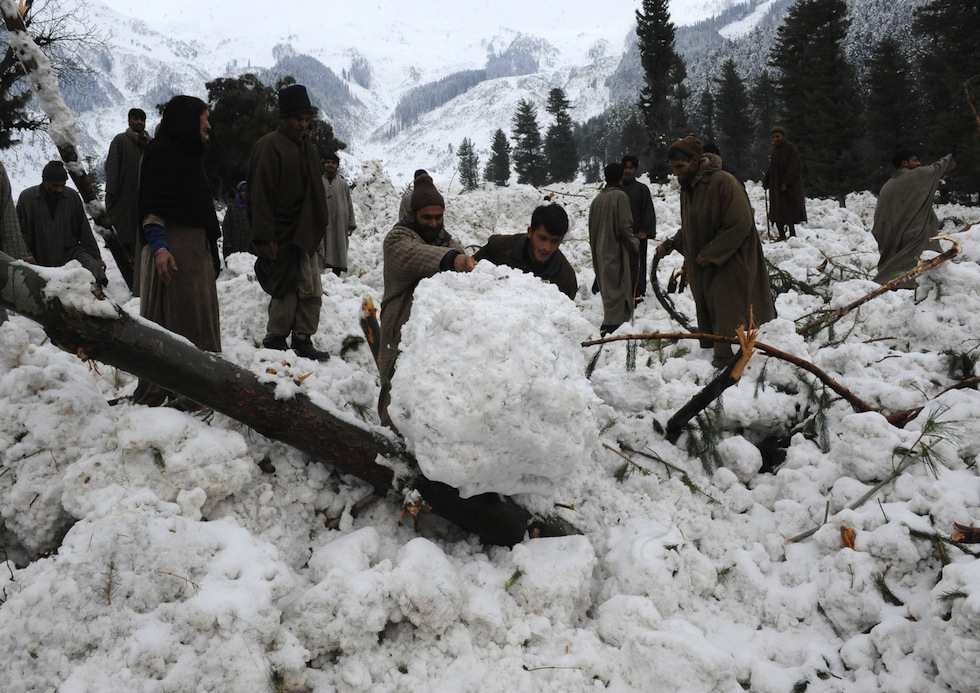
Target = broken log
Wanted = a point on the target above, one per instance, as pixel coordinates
(112, 336)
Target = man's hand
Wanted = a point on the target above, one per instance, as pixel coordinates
(164, 262)
(663, 250)
(701, 261)
(463, 263)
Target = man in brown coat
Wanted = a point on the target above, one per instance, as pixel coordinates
(288, 212)
(614, 247)
(905, 222)
(417, 247)
(784, 181)
(722, 252)
(536, 252)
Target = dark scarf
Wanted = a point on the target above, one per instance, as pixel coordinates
(173, 183)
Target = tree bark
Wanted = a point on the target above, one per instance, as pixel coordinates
(151, 352)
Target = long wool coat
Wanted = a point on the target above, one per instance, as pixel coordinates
(286, 205)
(717, 223)
(612, 240)
(122, 169)
(55, 239)
(408, 259)
(340, 207)
(785, 168)
(904, 218)
(11, 239)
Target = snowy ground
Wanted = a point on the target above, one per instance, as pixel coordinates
(185, 568)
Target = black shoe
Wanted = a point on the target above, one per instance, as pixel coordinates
(306, 349)
(278, 343)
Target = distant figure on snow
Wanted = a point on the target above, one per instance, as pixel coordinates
(122, 172)
(340, 207)
(905, 222)
(537, 250)
(644, 221)
(236, 232)
(784, 181)
(52, 219)
(614, 245)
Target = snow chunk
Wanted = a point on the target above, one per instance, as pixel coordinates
(518, 419)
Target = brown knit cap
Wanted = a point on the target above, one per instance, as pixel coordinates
(690, 145)
(425, 194)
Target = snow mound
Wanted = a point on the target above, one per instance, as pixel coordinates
(464, 416)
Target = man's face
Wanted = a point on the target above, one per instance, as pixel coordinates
(777, 139)
(299, 125)
(911, 162)
(542, 244)
(55, 187)
(629, 172)
(137, 124)
(330, 168)
(684, 170)
(205, 125)
(429, 219)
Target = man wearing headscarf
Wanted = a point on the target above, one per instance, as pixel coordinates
(417, 247)
(288, 212)
(179, 257)
(722, 251)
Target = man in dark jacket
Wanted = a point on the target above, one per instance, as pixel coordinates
(644, 221)
(54, 224)
(288, 212)
(721, 247)
(417, 247)
(122, 172)
(536, 251)
(784, 181)
(236, 232)
(11, 239)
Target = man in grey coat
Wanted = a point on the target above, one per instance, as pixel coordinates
(905, 222)
(122, 172)
(417, 247)
(340, 207)
(614, 247)
(54, 224)
(11, 239)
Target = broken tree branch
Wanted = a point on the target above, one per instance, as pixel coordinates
(856, 403)
(664, 301)
(816, 325)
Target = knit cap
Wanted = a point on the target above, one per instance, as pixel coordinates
(425, 194)
(54, 171)
(690, 145)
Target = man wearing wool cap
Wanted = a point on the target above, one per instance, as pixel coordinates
(417, 247)
(720, 243)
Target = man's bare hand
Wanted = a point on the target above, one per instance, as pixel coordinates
(463, 263)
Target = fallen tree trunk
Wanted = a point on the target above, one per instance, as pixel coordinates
(148, 351)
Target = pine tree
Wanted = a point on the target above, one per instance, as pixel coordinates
(892, 107)
(764, 107)
(560, 151)
(732, 116)
(497, 170)
(662, 96)
(528, 157)
(705, 124)
(469, 165)
(820, 95)
(950, 66)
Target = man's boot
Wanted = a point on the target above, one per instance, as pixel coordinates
(275, 342)
(304, 347)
